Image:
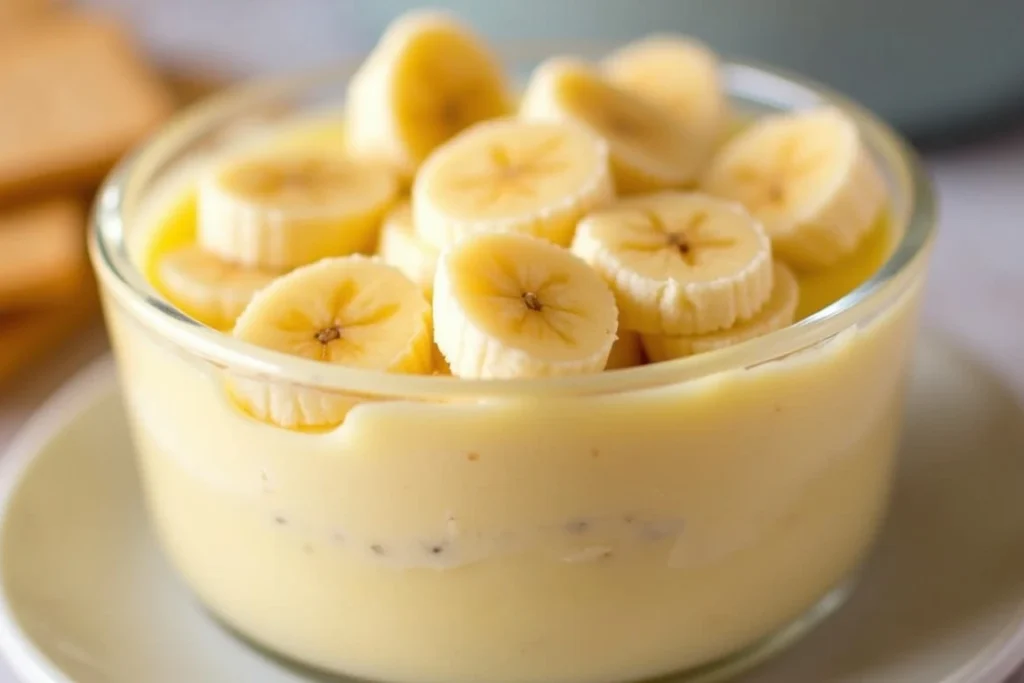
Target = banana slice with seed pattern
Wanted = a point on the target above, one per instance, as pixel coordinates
(537, 178)
(286, 208)
(777, 313)
(680, 74)
(354, 311)
(509, 305)
(809, 178)
(428, 78)
(679, 263)
(649, 149)
(401, 247)
(210, 289)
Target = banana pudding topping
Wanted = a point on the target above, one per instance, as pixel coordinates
(722, 276)
(808, 178)
(428, 79)
(509, 305)
(509, 175)
(650, 150)
(385, 318)
(604, 222)
(287, 208)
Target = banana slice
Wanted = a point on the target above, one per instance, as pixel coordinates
(679, 263)
(510, 305)
(401, 247)
(440, 363)
(354, 311)
(627, 351)
(537, 178)
(649, 150)
(809, 178)
(286, 208)
(680, 74)
(778, 312)
(428, 78)
(207, 288)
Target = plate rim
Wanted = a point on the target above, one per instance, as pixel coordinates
(84, 388)
(1004, 655)
(992, 664)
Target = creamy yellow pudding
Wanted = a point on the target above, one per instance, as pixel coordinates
(600, 538)
(603, 527)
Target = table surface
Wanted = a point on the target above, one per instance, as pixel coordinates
(975, 292)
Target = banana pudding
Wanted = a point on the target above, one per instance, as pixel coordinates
(578, 382)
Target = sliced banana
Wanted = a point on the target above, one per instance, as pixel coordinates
(507, 175)
(428, 78)
(208, 288)
(401, 247)
(777, 313)
(354, 311)
(285, 208)
(680, 74)
(679, 263)
(627, 351)
(441, 366)
(510, 305)
(649, 150)
(809, 178)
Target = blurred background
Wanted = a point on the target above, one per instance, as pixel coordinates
(948, 73)
(934, 68)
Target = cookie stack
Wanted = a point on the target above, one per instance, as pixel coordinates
(76, 94)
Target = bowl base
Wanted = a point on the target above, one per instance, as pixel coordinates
(713, 672)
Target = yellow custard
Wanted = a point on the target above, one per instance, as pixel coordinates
(531, 537)
(177, 227)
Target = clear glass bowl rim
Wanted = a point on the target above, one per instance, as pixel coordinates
(915, 216)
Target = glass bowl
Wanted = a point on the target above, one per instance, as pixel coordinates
(685, 518)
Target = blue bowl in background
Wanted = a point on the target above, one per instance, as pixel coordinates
(930, 67)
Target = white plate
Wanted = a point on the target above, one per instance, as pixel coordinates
(85, 595)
